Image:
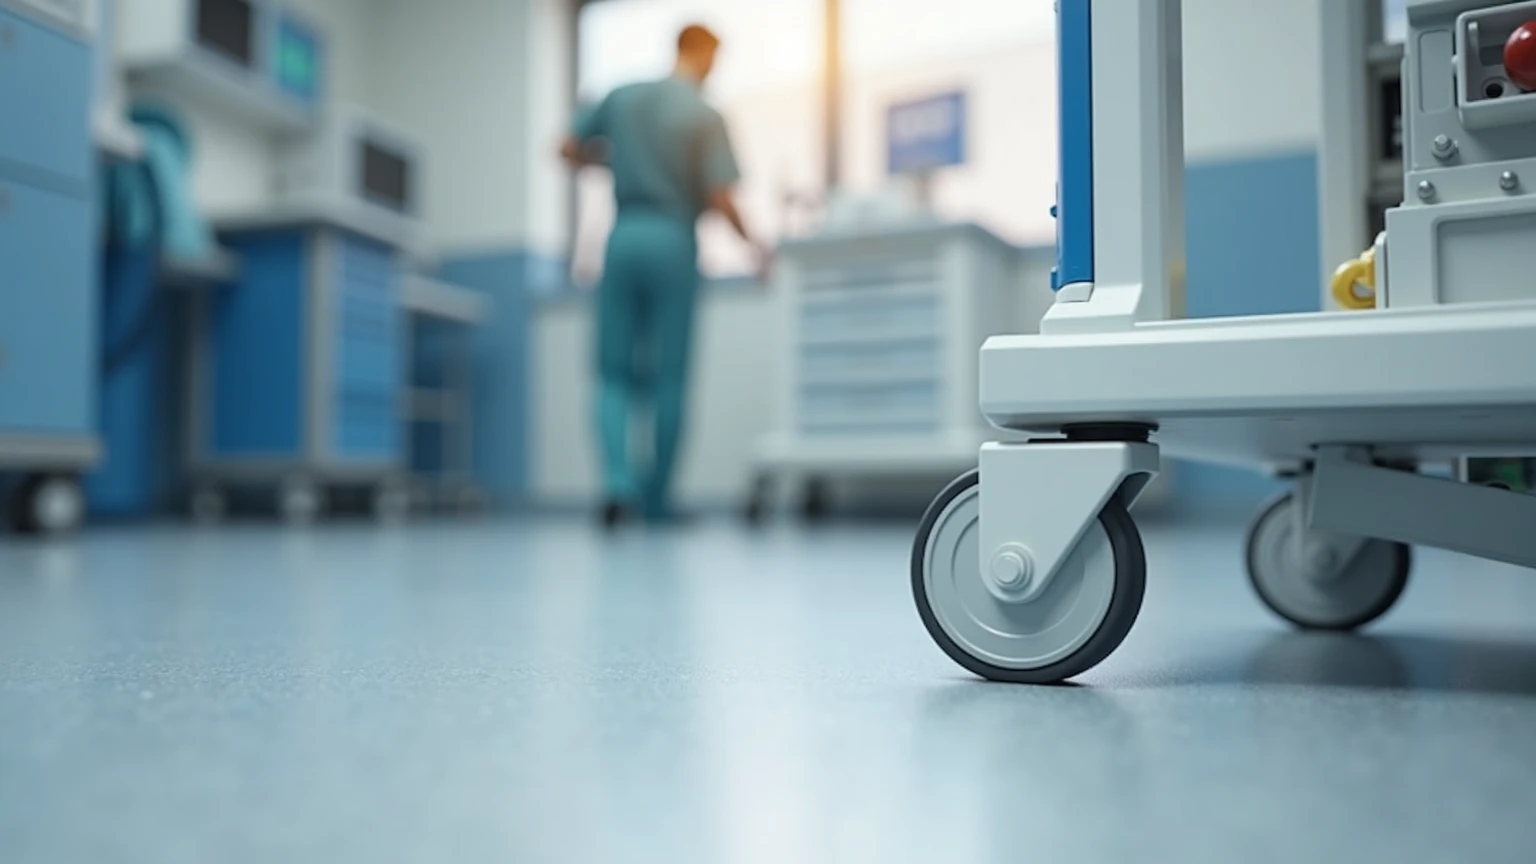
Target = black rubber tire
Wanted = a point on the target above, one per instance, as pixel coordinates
(754, 511)
(22, 514)
(1402, 565)
(816, 503)
(18, 505)
(1124, 605)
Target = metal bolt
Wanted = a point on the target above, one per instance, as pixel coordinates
(1444, 147)
(1011, 568)
(1426, 190)
(1509, 181)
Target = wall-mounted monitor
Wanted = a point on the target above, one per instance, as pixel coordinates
(354, 162)
(227, 28)
(257, 60)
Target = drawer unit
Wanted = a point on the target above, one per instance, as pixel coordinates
(366, 268)
(45, 99)
(872, 362)
(315, 318)
(881, 333)
(871, 274)
(874, 406)
(874, 317)
(368, 343)
(368, 424)
(47, 311)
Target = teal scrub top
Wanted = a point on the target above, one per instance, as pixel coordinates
(667, 148)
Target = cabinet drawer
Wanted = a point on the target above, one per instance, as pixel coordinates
(368, 346)
(367, 268)
(45, 103)
(873, 318)
(47, 311)
(871, 274)
(874, 362)
(903, 406)
(368, 425)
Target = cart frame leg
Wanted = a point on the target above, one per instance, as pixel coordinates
(1037, 499)
(1122, 220)
(1347, 494)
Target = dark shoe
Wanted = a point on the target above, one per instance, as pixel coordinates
(614, 515)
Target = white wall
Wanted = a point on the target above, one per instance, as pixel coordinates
(1252, 77)
(1256, 94)
(453, 74)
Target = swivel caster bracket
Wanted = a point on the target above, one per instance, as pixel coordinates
(1037, 500)
(1323, 555)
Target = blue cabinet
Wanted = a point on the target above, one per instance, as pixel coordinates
(47, 311)
(302, 356)
(45, 99)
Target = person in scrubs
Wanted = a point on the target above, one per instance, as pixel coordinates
(672, 161)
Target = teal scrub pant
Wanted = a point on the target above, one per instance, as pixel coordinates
(645, 311)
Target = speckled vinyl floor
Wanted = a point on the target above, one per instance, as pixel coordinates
(527, 692)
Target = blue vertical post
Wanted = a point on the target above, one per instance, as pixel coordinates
(1074, 187)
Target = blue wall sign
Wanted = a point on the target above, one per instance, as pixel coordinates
(924, 134)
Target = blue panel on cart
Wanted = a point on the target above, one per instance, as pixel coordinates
(45, 86)
(48, 353)
(369, 331)
(256, 331)
(368, 425)
(1074, 192)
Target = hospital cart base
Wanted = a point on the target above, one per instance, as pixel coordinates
(46, 497)
(1031, 569)
(299, 497)
(811, 465)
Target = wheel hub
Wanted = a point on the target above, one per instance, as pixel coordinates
(1011, 571)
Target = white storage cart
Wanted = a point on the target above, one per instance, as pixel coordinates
(881, 331)
(1031, 570)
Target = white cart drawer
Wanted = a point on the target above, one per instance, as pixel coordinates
(872, 274)
(909, 317)
(870, 409)
(871, 363)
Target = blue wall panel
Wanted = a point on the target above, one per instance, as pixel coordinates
(1253, 250)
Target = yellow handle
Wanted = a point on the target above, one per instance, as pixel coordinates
(1359, 272)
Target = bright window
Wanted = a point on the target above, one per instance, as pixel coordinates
(767, 84)
(1002, 54)
(1394, 21)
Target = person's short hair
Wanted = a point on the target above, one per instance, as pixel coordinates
(696, 37)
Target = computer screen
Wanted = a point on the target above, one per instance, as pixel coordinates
(386, 176)
(227, 27)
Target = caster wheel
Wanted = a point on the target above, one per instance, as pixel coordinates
(817, 503)
(1345, 597)
(391, 504)
(298, 502)
(208, 506)
(755, 511)
(1084, 614)
(48, 505)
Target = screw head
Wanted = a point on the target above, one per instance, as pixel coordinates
(1426, 190)
(1444, 146)
(1011, 568)
(1509, 181)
